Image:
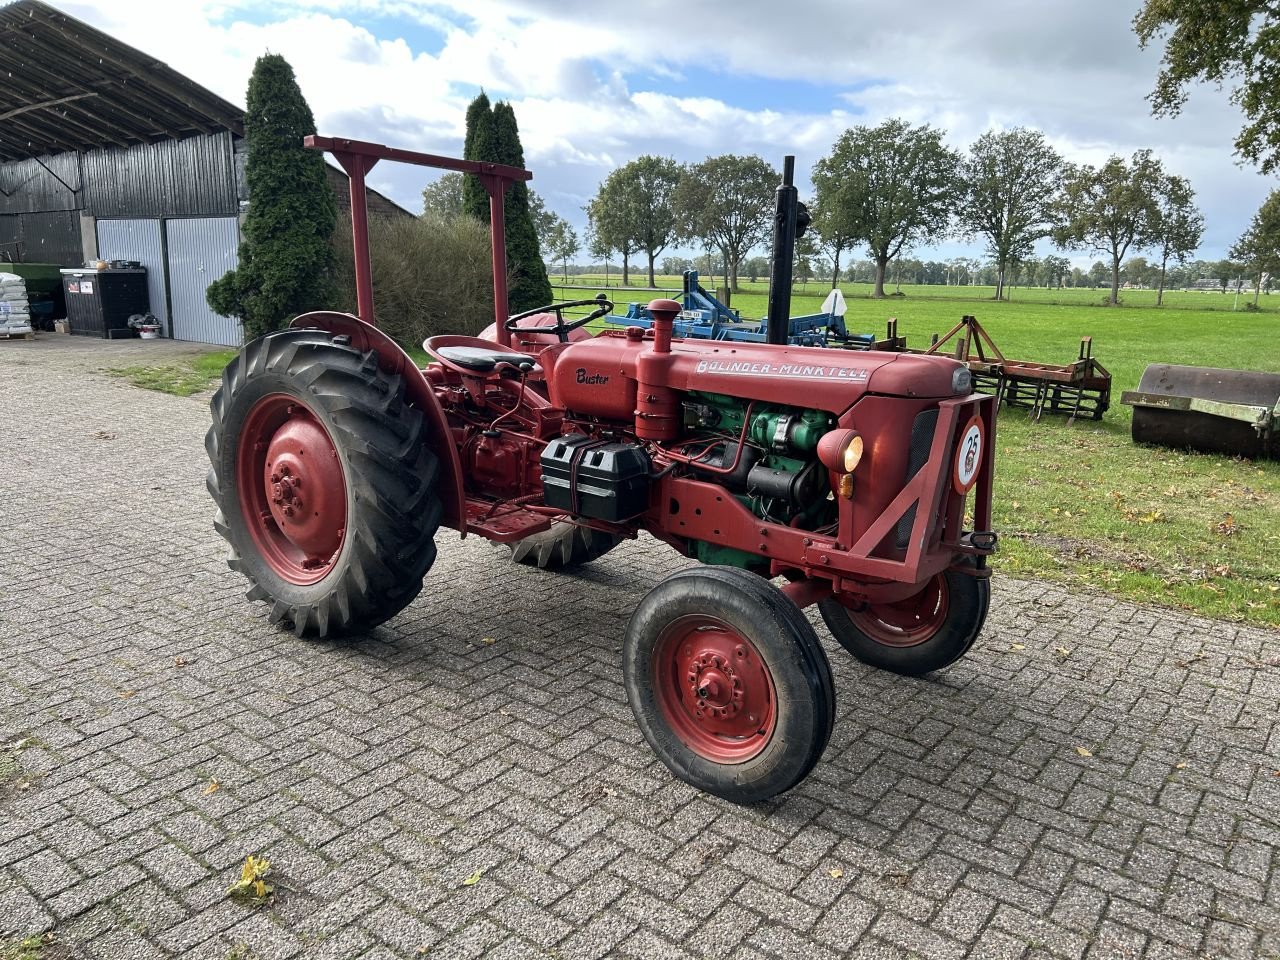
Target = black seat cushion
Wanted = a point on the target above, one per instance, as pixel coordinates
(481, 360)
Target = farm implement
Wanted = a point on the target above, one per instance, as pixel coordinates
(1236, 412)
(703, 317)
(1081, 388)
(804, 476)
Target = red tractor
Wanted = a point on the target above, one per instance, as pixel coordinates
(845, 475)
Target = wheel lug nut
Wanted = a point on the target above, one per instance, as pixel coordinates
(275, 478)
(288, 511)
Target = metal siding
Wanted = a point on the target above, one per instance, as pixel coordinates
(9, 248)
(201, 251)
(185, 178)
(28, 187)
(50, 237)
(138, 240)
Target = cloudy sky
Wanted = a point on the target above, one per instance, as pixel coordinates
(595, 84)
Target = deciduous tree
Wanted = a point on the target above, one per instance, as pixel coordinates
(892, 186)
(1259, 247)
(1111, 209)
(1178, 227)
(286, 257)
(613, 225)
(561, 243)
(1012, 179)
(1232, 43)
(443, 198)
(727, 202)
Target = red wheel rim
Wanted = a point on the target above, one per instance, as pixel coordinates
(293, 492)
(714, 690)
(909, 622)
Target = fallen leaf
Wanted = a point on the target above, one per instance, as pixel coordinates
(488, 641)
(1062, 651)
(835, 873)
(1179, 766)
(179, 662)
(126, 694)
(1017, 646)
(472, 880)
(104, 435)
(251, 885)
(213, 787)
(1084, 751)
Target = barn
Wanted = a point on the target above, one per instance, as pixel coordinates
(108, 154)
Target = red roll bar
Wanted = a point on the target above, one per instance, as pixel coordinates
(357, 158)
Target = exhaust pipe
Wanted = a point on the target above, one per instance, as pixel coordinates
(784, 245)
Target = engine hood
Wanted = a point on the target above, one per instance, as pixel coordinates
(816, 377)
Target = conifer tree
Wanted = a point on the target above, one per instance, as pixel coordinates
(286, 258)
(493, 136)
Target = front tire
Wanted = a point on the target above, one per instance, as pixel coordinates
(324, 484)
(728, 683)
(922, 633)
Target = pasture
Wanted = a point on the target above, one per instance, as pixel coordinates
(1079, 502)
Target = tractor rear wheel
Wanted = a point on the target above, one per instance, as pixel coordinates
(324, 483)
(565, 545)
(728, 683)
(925, 632)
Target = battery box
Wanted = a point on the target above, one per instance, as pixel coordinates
(598, 479)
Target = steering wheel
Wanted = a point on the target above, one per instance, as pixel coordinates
(561, 329)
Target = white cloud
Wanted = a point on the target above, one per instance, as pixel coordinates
(580, 78)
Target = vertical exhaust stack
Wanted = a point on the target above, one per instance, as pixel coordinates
(784, 245)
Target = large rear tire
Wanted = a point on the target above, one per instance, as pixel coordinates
(728, 683)
(922, 633)
(324, 483)
(564, 546)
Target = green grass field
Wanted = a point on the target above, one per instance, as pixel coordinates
(1079, 502)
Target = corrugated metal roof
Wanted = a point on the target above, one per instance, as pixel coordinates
(69, 86)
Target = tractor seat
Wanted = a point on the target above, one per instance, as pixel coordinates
(482, 360)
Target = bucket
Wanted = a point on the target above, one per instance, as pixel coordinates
(149, 331)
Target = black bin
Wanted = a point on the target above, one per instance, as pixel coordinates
(100, 302)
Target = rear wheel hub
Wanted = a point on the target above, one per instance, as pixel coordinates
(292, 487)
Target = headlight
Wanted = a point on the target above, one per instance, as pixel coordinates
(962, 381)
(841, 450)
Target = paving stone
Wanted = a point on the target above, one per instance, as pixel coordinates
(378, 772)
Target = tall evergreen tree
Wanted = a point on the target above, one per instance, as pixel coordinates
(493, 136)
(286, 259)
(479, 145)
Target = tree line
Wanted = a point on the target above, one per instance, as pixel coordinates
(886, 190)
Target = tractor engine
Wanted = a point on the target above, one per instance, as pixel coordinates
(775, 473)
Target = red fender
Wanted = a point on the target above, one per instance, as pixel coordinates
(393, 360)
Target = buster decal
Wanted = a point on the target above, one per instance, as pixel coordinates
(810, 371)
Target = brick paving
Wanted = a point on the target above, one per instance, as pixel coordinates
(485, 730)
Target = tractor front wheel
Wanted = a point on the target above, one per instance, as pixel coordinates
(324, 482)
(925, 632)
(728, 683)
